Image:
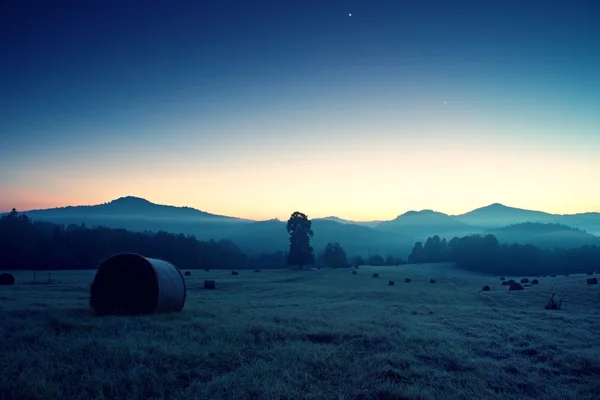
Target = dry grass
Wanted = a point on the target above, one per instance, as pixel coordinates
(308, 334)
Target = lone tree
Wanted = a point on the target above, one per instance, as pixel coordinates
(299, 228)
(335, 256)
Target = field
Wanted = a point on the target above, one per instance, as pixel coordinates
(323, 334)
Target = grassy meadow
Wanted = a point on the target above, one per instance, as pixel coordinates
(315, 334)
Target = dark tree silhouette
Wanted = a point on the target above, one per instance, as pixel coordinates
(335, 256)
(299, 228)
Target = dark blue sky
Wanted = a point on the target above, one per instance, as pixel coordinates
(188, 78)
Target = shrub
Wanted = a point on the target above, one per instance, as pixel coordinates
(553, 305)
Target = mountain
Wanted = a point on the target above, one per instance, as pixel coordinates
(500, 215)
(137, 214)
(544, 235)
(271, 236)
(422, 224)
(370, 224)
(253, 237)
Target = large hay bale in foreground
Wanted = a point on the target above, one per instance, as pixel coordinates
(7, 279)
(132, 284)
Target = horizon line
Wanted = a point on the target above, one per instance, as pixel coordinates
(276, 218)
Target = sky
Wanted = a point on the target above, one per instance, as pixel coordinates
(256, 109)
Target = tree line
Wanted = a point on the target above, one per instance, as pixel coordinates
(485, 254)
(28, 244)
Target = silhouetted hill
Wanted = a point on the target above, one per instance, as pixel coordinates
(498, 214)
(271, 235)
(370, 224)
(545, 235)
(422, 224)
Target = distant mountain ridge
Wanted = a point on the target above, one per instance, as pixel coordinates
(394, 237)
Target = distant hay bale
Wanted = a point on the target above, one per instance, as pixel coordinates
(552, 275)
(206, 269)
(187, 273)
(590, 273)
(406, 280)
(510, 281)
(356, 266)
(375, 275)
(257, 270)
(234, 273)
(486, 288)
(209, 284)
(566, 274)
(535, 282)
(432, 281)
(353, 272)
(524, 280)
(132, 284)
(6, 279)
(516, 286)
(502, 278)
(391, 283)
(592, 281)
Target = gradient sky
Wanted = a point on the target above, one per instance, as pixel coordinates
(260, 108)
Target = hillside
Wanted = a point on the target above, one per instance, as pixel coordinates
(496, 215)
(544, 235)
(421, 224)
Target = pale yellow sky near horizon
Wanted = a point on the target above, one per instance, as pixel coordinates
(365, 184)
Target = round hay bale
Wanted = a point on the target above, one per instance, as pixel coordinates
(356, 267)
(234, 273)
(516, 286)
(432, 281)
(524, 280)
(535, 282)
(375, 275)
(592, 281)
(187, 273)
(209, 284)
(132, 284)
(6, 279)
(510, 281)
(206, 269)
(257, 270)
(486, 288)
(391, 283)
(502, 278)
(406, 280)
(353, 272)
